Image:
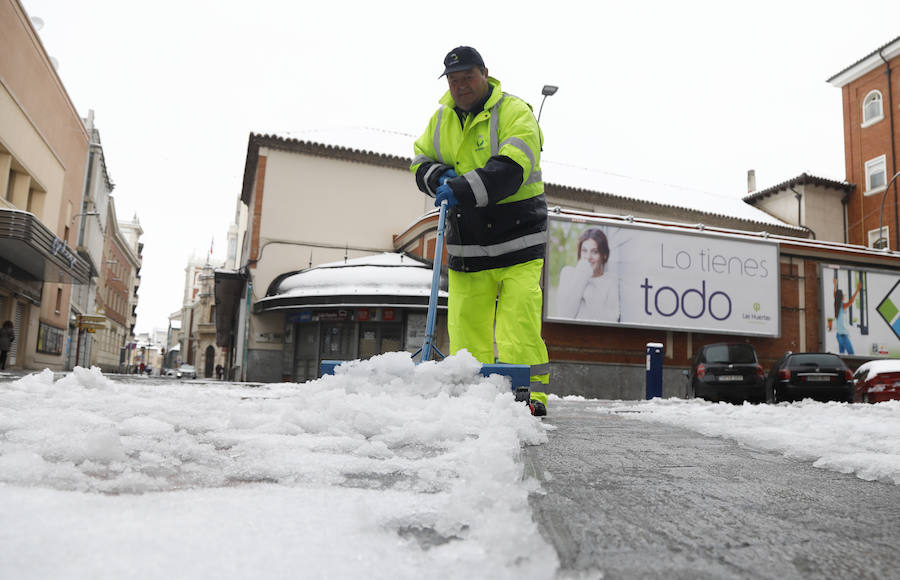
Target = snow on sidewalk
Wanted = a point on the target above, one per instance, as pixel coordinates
(384, 470)
(861, 439)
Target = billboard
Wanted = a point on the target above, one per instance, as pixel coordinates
(860, 311)
(612, 273)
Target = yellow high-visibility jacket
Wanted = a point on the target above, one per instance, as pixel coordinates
(501, 216)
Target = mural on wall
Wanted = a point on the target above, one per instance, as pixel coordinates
(860, 311)
(606, 272)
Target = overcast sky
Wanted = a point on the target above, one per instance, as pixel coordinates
(689, 93)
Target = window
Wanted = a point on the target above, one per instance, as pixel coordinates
(876, 175)
(878, 241)
(872, 109)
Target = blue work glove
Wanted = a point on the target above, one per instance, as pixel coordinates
(444, 193)
(446, 176)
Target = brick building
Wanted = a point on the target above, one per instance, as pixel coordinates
(871, 95)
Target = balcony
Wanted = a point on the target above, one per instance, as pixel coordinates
(206, 329)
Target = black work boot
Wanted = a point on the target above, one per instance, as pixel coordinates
(523, 395)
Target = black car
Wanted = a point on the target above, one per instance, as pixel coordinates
(727, 372)
(817, 375)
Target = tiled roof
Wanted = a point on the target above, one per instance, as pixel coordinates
(802, 179)
(864, 59)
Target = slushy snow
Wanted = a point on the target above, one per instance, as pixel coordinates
(384, 470)
(859, 439)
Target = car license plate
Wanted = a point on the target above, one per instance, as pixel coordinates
(818, 378)
(731, 378)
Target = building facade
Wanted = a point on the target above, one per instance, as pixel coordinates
(198, 315)
(91, 226)
(43, 152)
(116, 288)
(870, 90)
(291, 190)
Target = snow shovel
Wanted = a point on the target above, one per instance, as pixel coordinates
(519, 375)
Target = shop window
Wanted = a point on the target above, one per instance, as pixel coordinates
(306, 360)
(338, 340)
(873, 111)
(378, 337)
(876, 175)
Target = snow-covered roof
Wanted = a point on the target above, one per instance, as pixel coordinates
(398, 144)
(389, 275)
(649, 191)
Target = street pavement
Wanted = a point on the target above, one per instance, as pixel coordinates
(633, 499)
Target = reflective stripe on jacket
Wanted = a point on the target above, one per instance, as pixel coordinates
(494, 225)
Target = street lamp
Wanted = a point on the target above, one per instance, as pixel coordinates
(87, 213)
(547, 91)
(887, 239)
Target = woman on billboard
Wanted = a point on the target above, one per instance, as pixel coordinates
(840, 318)
(587, 291)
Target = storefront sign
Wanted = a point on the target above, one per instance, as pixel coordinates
(860, 311)
(606, 272)
(273, 337)
(302, 316)
(58, 247)
(91, 323)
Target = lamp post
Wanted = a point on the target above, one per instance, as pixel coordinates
(547, 91)
(887, 239)
(87, 213)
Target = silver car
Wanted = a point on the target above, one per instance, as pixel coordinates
(186, 372)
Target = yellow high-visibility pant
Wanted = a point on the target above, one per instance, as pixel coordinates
(502, 300)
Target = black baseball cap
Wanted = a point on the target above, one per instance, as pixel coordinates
(462, 58)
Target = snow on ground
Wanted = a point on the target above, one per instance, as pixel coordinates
(386, 470)
(850, 438)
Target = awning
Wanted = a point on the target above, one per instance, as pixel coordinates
(382, 280)
(36, 253)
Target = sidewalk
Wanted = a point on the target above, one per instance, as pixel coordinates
(632, 499)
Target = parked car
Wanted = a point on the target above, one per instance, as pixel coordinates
(877, 381)
(817, 375)
(727, 372)
(186, 372)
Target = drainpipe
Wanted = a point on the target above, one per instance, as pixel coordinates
(799, 197)
(887, 71)
(844, 201)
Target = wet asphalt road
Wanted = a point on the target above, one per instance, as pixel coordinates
(632, 499)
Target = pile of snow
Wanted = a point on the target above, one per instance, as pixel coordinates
(850, 438)
(385, 470)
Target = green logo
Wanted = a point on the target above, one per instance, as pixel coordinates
(480, 141)
(756, 306)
